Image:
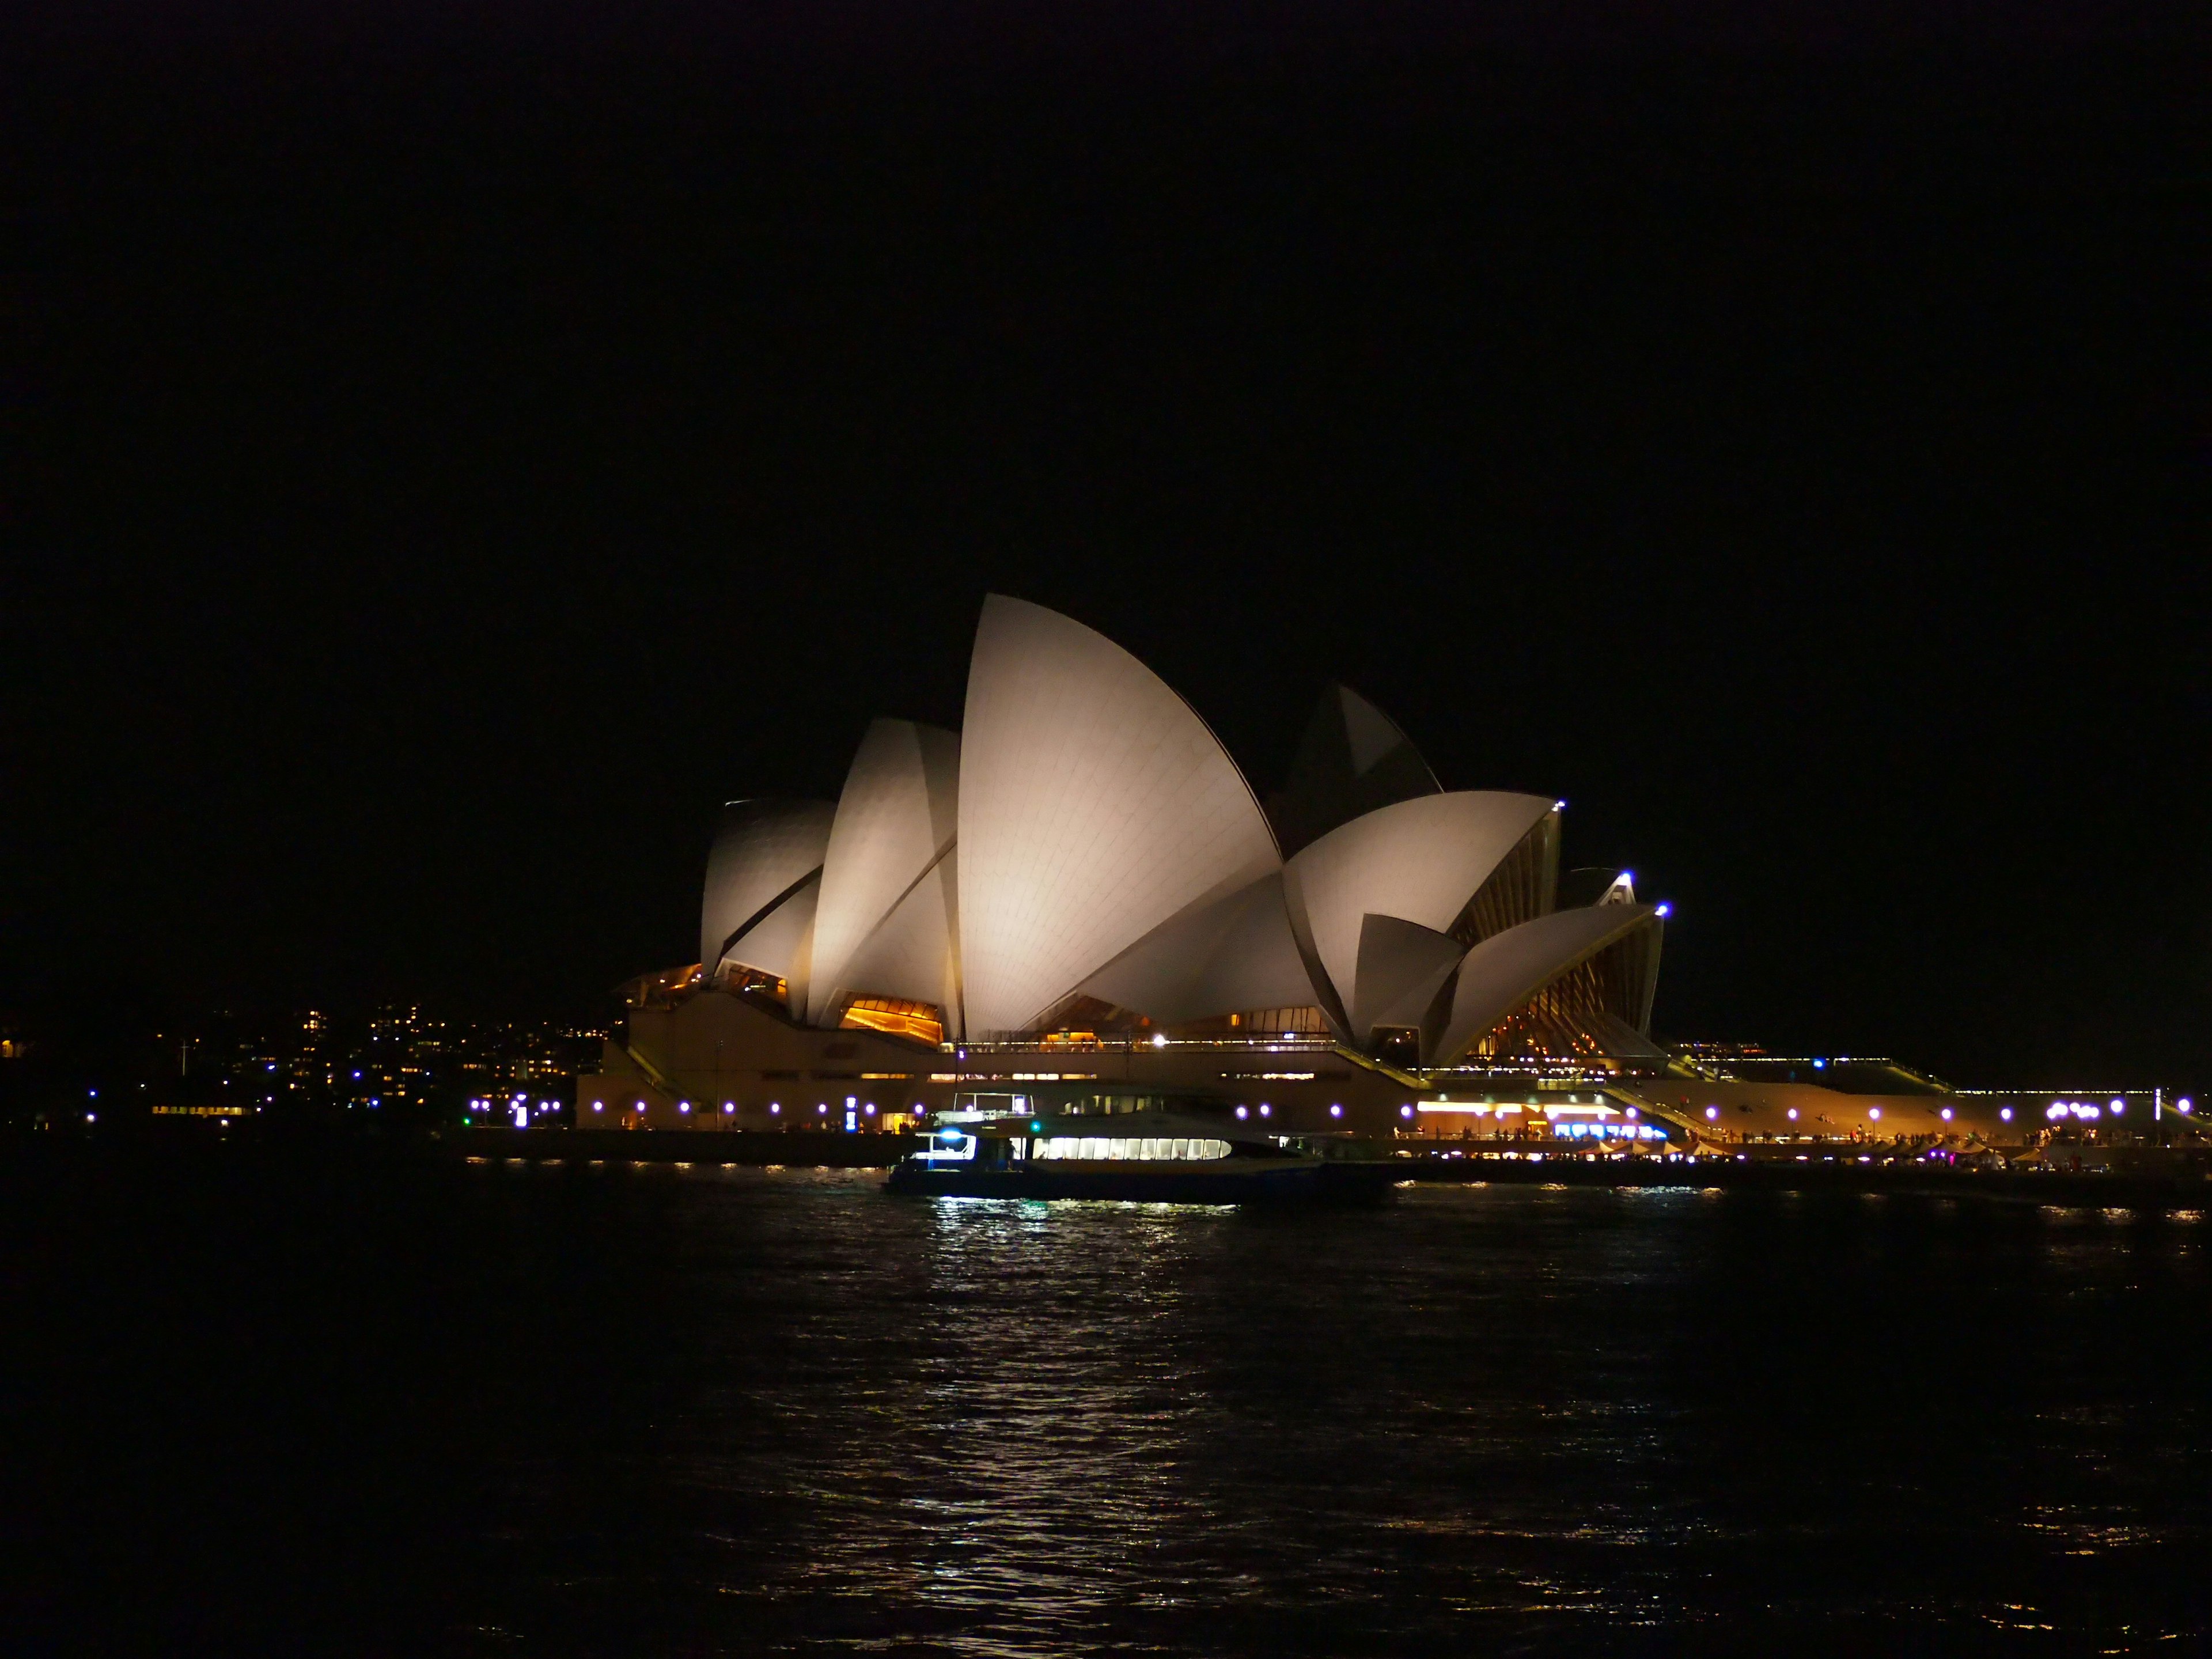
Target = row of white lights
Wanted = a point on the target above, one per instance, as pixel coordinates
(2116, 1106)
(2058, 1108)
(852, 1103)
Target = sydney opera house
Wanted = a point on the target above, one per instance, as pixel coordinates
(1078, 902)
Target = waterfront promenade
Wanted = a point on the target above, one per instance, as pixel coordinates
(2152, 1180)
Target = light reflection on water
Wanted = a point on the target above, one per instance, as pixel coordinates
(1506, 1413)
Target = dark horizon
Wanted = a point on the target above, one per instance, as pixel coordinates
(453, 456)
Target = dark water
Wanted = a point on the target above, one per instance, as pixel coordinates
(316, 1407)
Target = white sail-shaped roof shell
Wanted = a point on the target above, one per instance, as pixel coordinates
(781, 942)
(894, 820)
(1420, 860)
(909, 954)
(1216, 956)
(1403, 966)
(763, 855)
(1507, 969)
(1094, 806)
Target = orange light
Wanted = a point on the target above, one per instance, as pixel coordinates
(917, 1020)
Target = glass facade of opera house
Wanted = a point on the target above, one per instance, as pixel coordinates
(1077, 904)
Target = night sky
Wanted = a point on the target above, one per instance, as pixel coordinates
(450, 449)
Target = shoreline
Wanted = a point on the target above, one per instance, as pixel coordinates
(835, 1150)
(2177, 1187)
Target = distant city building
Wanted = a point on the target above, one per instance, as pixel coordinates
(400, 1065)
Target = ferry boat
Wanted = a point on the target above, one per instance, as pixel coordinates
(1148, 1157)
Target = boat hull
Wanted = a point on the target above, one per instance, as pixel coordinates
(1241, 1181)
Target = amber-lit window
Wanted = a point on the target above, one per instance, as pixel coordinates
(922, 1021)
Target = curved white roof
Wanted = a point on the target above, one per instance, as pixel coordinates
(1403, 966)
(894, 820)
(1507, 969)
(1216, 956)
(909, 953)
(1420, 860)
(765, 852)
(781, 942)
(1094, 805)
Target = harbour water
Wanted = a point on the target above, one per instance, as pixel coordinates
(308, 1404)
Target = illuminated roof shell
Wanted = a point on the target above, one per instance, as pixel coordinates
(1403, 966)
(1216, 956)
(1420, 861)
(1506, 969)
(1094, 806)
(909, 955)
(758, 903)
(895, 822)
